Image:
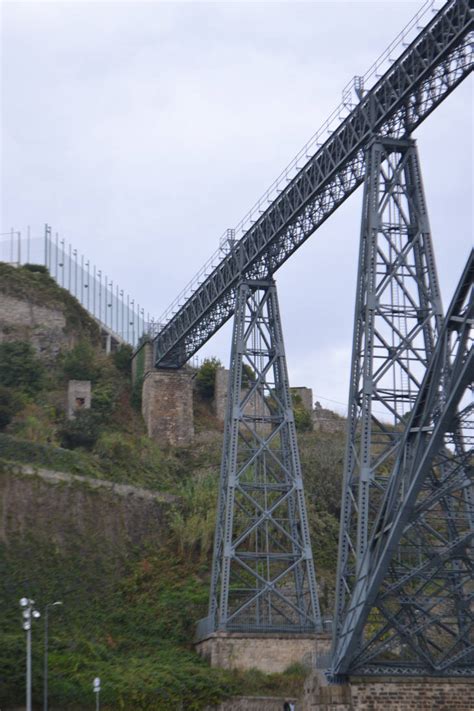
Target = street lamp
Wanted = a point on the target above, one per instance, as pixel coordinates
(29, 614)
(96, 689)
(45, 673)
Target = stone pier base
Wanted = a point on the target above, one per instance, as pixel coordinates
(167, 406)
(268, 653)
(388, 694)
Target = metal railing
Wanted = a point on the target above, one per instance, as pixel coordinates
(115, 311)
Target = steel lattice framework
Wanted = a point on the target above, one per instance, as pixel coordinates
(263, 577)
(410, 608)
(429, 69)
(396, 324)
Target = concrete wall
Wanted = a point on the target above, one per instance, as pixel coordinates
(167, 406)
(388, 694)
(269, 653)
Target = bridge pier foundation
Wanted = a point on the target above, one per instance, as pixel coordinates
(269, 653)
(167, 406)
(391, 693)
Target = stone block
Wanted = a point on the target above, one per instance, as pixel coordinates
(388, 694)
(78, 397)
(255, 405)
(268, 653)
(256, 703)
(306, 396)
(167, 406)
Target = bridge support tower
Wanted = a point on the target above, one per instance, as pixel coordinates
(263, 580)
(404, 583)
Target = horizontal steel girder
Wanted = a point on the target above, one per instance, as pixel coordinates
(425, 74)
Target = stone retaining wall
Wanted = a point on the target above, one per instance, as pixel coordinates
(388, 694)
(254, 703)
(268, 653)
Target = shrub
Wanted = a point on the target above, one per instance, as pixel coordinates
(303, 419)
(40, 268)
(192, 522)
(206, 376)
(35, 423)
(10, 404)
(122, 358)
(136, 399)
(20, 367)
(80, 363)
(104, 397)
(114, 447)
(248, 375)
(83, 431)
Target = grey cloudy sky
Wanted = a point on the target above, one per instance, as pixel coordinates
(142, 130)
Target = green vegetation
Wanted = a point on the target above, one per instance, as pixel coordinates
(206, 377)
(20, 367)
(10, 403)
(128, 614)
(33, 283)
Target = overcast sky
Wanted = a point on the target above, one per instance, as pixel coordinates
(141, 131)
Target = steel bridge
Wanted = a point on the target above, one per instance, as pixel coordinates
(404, 581)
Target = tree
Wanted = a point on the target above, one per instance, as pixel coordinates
(122, 358)
(206, 378)
(80, 363)
(20, 367)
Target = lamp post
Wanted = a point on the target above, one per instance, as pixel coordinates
(29, 614)
(45, 672)
(96, 689)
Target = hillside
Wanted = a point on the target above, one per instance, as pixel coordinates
(99, 517)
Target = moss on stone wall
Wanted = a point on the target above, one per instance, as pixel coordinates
(39, 288)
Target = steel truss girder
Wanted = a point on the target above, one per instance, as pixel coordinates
(414, 616)
(429, 69)
(263, 577)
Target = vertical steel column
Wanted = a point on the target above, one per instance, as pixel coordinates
(410, 611)
(263, 577)
(397, 318)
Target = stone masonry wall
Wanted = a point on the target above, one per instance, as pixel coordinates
(221, 384)
(422, 694)
(167, 406)
(306, 395)
(388, 694)
(69, 510)
(254, 703)
(79, 396)
(42, 326)
(255, 406)
(268, 653)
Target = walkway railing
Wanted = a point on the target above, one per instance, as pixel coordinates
(113, 308)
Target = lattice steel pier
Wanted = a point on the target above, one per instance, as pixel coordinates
(263, 577)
